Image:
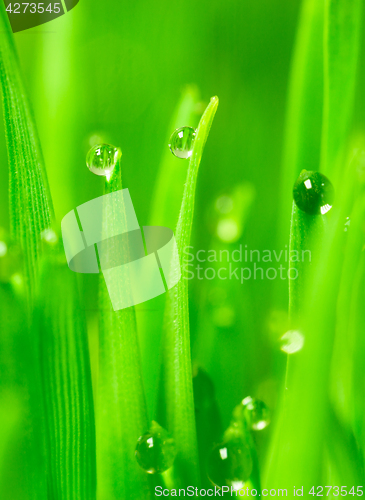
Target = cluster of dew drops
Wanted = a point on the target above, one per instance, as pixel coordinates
(230, 462)
(313, 192)
(102, 158)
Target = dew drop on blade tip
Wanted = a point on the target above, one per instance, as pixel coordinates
(182, 142)
(155, 450)
(254, 412)
(102, 159)
(313, 193)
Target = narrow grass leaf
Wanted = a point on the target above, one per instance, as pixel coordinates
(165, 209)
(121, 410)
(343, 20)
(23, 471)
(30, 202)
(66, 378)
(172, 172)
(177, 391)
(304, 108)
(300, 438)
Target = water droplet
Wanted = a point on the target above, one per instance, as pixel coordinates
(293, 341)
(224, 204)
(10, 258)
(156, 450)
(347, 224)
(182, 142)
(254, 412)
(313, 193)
(230, 463)
(228, 230)
(102, 158)
(49, 236)
(224, 316)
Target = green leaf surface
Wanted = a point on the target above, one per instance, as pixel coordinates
(172, 172)
(342, 28)
(165, 209)
(23, 469)
(304, 107)
(306, 232)
(121, 407)
(305, 408)
(66, 378)
(30, 202)
(177, 392)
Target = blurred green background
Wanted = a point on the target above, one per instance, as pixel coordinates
(114, 72)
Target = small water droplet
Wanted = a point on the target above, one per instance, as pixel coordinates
(224, 204)
(10, 258)
(313, 193)
(293, 341)
(347, 224)
(156, 450)
(102, 158)
(49, 236)
(230, 462)
(228, 230)
(182, 142)
(224, 316)
(254, 412)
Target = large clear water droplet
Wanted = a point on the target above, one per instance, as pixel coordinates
(156, 450)
(182, 142)
(254, 412)
(230, 463)
(102, 158)
(293, 341)
(313, 193)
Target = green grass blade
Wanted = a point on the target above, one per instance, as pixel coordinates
(304, 411)
(30, 203)
(306, 232)
(66, 378)
(305, 103)
(165, 211)
(121, 410)
(343, 20)
(172, 173)
(23, 471)
(177, 392)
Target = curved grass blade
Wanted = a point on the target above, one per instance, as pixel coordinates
(343, 20)
(66, 378)
(172, 173)
(306, 232)
(121, 409)
(305, 103)
(23, 471)
(165, 211)
(305, 409)
(30, 202)
(177, 405)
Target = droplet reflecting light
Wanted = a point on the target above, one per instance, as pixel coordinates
(156, 450)
(313, 193)
(182, 142)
